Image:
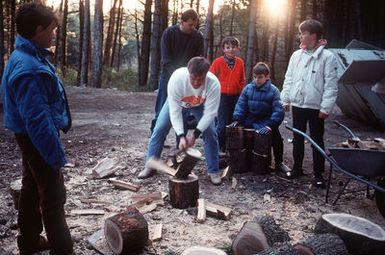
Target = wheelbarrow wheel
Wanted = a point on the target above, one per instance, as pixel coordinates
(380, 197)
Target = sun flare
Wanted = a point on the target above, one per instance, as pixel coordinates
(275, 8)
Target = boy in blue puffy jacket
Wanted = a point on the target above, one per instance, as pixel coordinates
(259, 107)
(36, 109)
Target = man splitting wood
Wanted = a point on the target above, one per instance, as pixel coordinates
(192, 90)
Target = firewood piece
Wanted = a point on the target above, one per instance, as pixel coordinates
(126, 233)
(234, 138)
(124, 185)
(156, 232)
(273, 232)
(189, 159)
(284, 249)
(200, 250)
(159, 165)
(15, 190)
(217, 211)
(226, 173)
(87, 212)
(184, 193)
(249, 240)
(106, 167)
(323, 244)
(143, 209)
(360, 235)
(201, 215)
(98, 242)
(156, 197)
(94, 201)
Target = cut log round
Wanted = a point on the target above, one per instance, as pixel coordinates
(234, 138)
(126, 233)
(262, 144)
(237, 161)
(199, 250)
(15, 190)
(284, 249)
(273, 232)
(360, 235)
(248, 136)
(323, 244)
(260, 163)
(184, 193)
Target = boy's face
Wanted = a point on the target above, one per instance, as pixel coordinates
(188, 26)
(230, 50)
(306, 38)
(44, 36)
(260, 79)
(197, 80)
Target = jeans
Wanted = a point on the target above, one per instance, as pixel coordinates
(160, 98)
(163, 126)
(42, 200)
(301, 117)
(225, 116)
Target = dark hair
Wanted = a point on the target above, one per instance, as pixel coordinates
(31, 15)
(261, 68)
(312, 26)
(198, 66)
(189, 14)
(230, 40)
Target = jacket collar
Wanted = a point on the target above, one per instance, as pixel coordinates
(264, 87)
(28, 46)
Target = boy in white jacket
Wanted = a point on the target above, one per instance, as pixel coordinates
(192, 90)
(310, 88)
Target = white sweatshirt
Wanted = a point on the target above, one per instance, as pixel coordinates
(181, 95)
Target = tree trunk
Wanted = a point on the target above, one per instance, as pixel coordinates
(58, 40)
(86, 42)
(136, 19)
(12, 25)
(2, 40)
(209, 33)
(110, 33)
(291, 26)
(175, 9)
(117, 33)
(250, 39)
(97, 65)
(274, 50)
(63, 43)
(81, 31)
(145, 48)
(120, 24)
(155, 46)
(232, 17)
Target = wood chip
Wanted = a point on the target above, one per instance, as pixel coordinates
(156, 232)
(87, 212)
(124, 185)
(201, 215)
(217, 211)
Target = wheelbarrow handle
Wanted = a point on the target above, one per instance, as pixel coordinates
(346, 128)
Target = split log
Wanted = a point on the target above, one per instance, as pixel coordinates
(124, 185)
(201, 215)
(234, 138)
(323, 244)
(284, 249)
(200, 250)
(258, 235)
(126, 233)
(15, 190)
(184, 193)
(156, 232)
(98, 242)
(217, 211)
(188, 160)
(360, 235)
(106, 167)
(87, 212)
(159, 165)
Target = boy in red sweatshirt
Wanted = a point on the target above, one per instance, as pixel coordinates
(230, 71)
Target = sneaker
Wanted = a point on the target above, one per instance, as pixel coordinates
(215, 178)
(282, 168)
(319, 182)
(293, 174)
(41, 245)
(145, 173)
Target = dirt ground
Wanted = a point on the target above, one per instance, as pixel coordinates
(110, 123)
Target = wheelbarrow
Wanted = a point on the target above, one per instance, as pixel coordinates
(364, 166)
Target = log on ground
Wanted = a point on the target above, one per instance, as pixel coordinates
(323, 244)
(184, 193)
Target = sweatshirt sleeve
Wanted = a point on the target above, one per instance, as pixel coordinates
(32, 99)
(175, 94)
(243, 76)
(210, 105)
(330, 92)
(287, 84)
(278, 114)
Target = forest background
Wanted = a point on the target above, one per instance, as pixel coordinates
(116, 43)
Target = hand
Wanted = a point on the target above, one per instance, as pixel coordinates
(263, 131)
(183, 145)
(286, 108)
(233, 124)
(190, 140)
(322, 115)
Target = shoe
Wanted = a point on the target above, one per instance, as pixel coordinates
(41, 245)
(215, 178)
(293, 174)
(145, 173)
(319, 182)
(282, 168)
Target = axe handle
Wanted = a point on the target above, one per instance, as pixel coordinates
(159, 165)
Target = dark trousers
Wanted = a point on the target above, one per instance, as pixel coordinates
(277, 145)
(160, 98)
(225, 116)
(301, 117)
(41, 202)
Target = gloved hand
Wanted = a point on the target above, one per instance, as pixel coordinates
(264, 130)
(233, 124)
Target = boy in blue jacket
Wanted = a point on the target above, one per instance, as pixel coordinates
(259, 108)
(36, 109)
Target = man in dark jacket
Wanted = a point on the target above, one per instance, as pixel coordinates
(36, 109)
(259, 108)
(179, 44)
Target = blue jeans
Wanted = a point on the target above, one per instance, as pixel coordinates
(160, 98)
(163, 126)
(225, 116)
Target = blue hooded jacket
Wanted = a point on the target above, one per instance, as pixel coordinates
(34, 100)
(258, 107)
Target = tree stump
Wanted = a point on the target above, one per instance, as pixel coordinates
(248, 136)
(234, 138)
(237, 161)
(284, 249)
(360, 235)
(260, 164)
(261, 153)
(258, 235)
(126, 233)
(15, 190)
(184, 193)
(323, 244)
